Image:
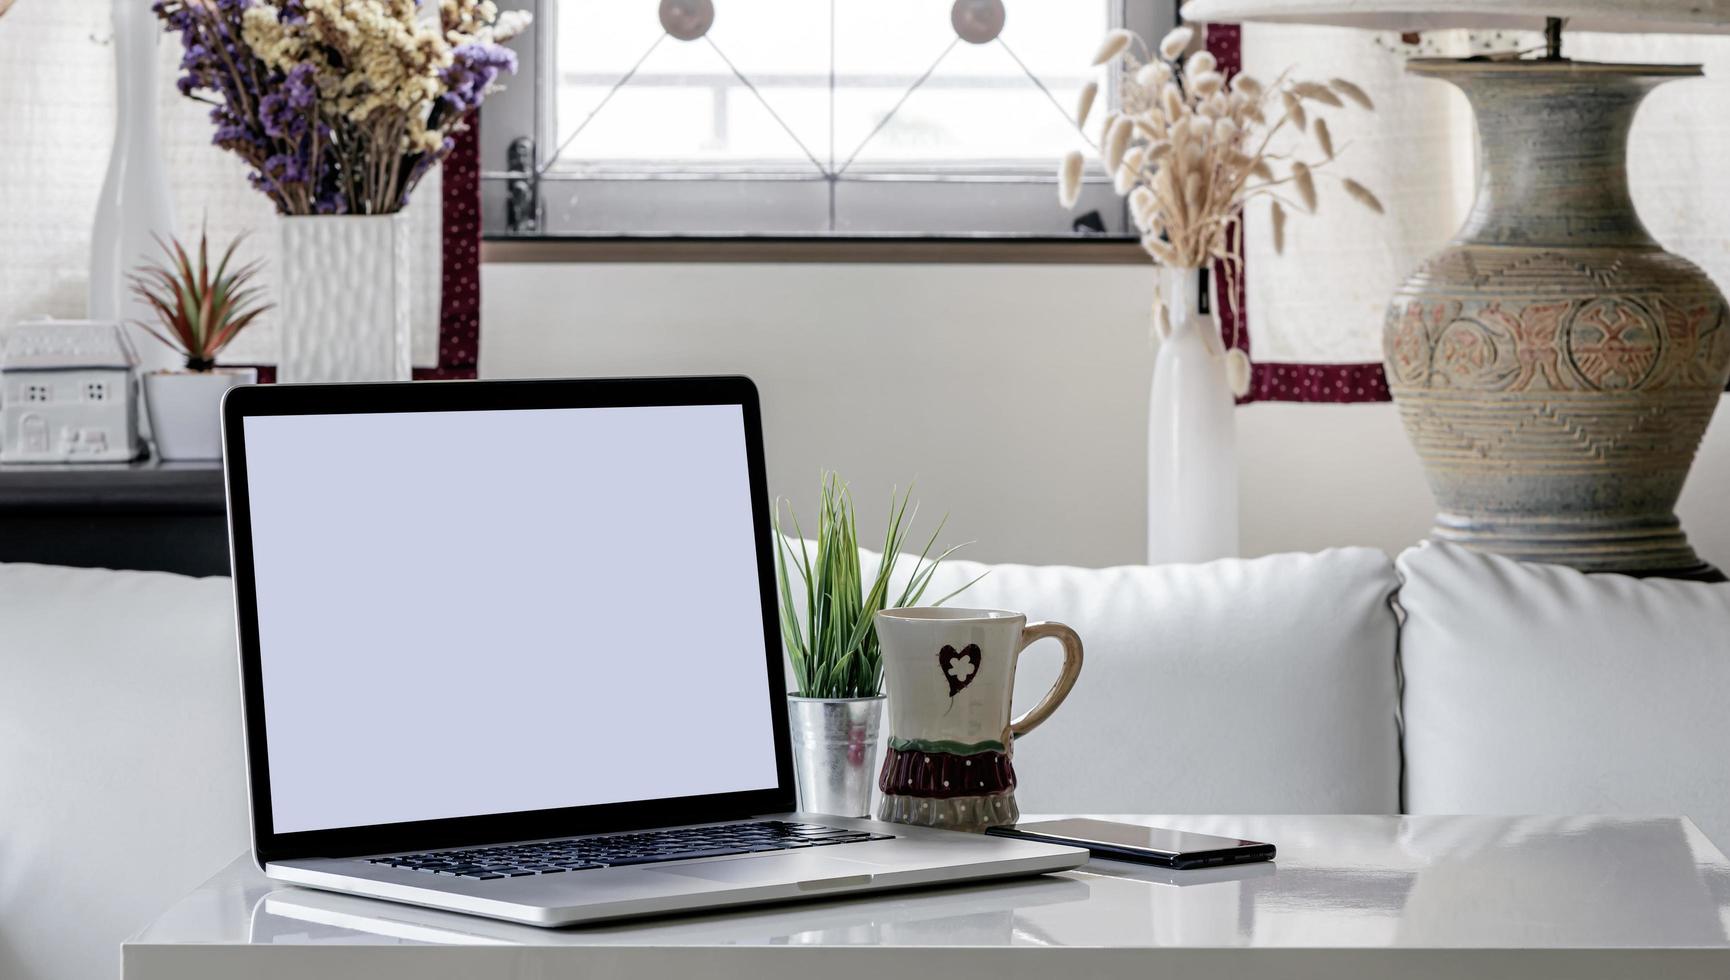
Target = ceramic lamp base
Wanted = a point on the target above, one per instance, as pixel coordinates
(1555, 367)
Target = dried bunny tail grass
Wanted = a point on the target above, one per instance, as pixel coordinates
(1114, 44)
(1069, 178)
(1165, 192)
(1294, 109)
(1084, 103)
(1162, 321)
(1352, 92)
(1187, 148)
(1237, 372)
(1161, 251)
(1172, 100)
(1129, 172)
(1141, 204)
(1176, 43)
(1317, 93)
(1305, 184)
(1362, 195)
(1117, 141)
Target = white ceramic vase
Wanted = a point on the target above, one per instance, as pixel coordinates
(1191, 434)
(135, 206)
(185, 410)
(343, 306)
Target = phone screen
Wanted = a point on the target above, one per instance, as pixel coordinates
(1157, 840)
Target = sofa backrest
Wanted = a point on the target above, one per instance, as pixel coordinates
(121, 779)
(1265, 685)
(1538, 689)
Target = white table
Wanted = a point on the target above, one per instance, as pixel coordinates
(1350, 896)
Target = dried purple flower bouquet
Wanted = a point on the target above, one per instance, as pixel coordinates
(339, 106)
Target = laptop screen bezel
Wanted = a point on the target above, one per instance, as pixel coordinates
(253, 401)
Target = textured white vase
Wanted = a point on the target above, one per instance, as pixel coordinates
(344, 302)
(134, 205)
(1191, 435)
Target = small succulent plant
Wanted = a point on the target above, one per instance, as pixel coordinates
(199, 310)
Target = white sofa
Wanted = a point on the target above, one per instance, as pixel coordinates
(1268, 685)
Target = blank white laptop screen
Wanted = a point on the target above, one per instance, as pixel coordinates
(465, 613)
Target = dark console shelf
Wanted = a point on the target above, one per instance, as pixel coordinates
(147, 515)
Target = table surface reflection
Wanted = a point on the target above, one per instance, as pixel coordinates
(1372, 882)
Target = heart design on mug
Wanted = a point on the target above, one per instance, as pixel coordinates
(959, 669)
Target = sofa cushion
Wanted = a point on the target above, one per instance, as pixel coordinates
(1538, 689)
(1240, 686)
(121, 780)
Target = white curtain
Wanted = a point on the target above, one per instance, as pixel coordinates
(1322, 301)
(56, 126)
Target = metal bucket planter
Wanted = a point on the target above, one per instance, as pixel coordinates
(835, 753)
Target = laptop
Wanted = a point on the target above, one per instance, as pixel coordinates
(511, 648)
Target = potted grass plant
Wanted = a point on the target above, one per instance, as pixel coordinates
(199, 310)
(828, 608)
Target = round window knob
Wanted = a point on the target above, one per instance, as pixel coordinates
(977, 21)
(687, 20)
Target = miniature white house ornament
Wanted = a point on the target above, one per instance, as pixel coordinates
(66, 393)
(977, 21)
(687, 20)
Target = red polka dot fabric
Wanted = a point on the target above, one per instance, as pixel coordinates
(460, 300)
(1280, 382)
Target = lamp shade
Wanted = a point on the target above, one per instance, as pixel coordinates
(1612, 16)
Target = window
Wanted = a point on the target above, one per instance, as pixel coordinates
(95, 391)
(798, 118)
(37, 393)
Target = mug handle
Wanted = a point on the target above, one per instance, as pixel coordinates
(1065, 681)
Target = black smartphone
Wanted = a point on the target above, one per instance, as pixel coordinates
(1148, 845)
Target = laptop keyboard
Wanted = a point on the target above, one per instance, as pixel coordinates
(618, 850)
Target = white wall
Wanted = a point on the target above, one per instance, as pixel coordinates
(1014, 395)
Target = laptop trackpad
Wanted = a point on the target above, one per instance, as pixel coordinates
(807, 870)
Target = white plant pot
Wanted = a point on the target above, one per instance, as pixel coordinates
(344, 301)
(1191, 435)
(186, 410)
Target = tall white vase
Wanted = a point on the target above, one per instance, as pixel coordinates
(135, 205)
(1191, 435)
(344, 302)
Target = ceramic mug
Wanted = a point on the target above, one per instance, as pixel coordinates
(950, 676)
